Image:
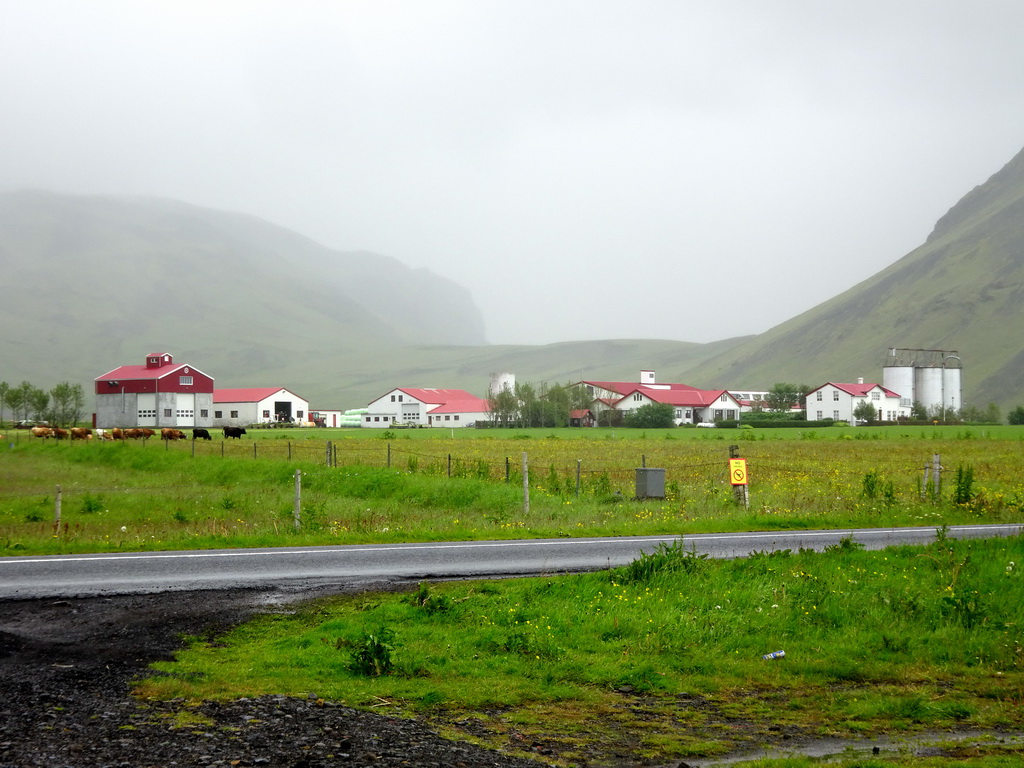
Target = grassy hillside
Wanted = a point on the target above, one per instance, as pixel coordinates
(963, 289)
(96, 282)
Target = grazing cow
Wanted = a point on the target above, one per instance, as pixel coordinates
(117, 434)
(172, 434)
(43, 432)
(60, 434)
(104, 434)
(147, 433)
(235, 432)
(81, 433)
(201, 433)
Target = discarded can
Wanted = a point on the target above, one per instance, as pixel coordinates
(774, 655)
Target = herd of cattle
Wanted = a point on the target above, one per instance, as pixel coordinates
(84, 433)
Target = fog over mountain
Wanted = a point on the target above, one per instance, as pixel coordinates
(585, 170)
(98, 282)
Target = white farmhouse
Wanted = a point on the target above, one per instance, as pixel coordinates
(839, 401)
(691, 405)
(425, 407)
(257, 405)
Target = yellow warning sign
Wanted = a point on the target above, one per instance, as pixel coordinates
(738, 471)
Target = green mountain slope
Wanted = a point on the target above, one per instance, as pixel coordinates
(92, 283)
(963, 289)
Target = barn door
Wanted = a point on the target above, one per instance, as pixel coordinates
(146, 416)
(185, 410)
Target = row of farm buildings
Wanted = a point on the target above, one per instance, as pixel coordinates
(162, 393)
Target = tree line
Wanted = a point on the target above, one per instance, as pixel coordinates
(62, 406)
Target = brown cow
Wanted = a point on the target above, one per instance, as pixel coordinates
(60, 434)
(81, 433)
(117, 434)
(172, 434)
(147, 433)
(43, 432)
(133, 433)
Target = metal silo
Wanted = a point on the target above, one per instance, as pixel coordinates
(900, 379)
(500, 381)
(928, 387)
(952, 383)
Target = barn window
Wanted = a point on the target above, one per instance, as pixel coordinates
(234, 414)
(185, 381)
(298, 415)
(167, 413)
(456, 417)
(835, 415)
(266, 414)
(835, 395)
(876, 395)
(218, 414)
(204, 413)
(819, 396)
(393, 398)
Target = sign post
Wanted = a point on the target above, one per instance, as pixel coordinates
(738, 476)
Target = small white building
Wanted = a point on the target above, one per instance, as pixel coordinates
(839, 401)
(257, 405)
(425, 407)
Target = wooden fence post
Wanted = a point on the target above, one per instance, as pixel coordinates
(526, 485)
(579, 463)
(297, 510)
(56, 508)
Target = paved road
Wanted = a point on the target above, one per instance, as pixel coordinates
(326, 567)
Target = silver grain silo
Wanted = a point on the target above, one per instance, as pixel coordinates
(952, 383)
(928, 387)
(900, 379)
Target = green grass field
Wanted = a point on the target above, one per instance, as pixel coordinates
(665, 653)
(423, 485)
(668, 649)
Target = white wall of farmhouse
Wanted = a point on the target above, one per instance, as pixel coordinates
(832, 402)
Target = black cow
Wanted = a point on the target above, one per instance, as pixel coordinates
(201, 433)
(235, 432)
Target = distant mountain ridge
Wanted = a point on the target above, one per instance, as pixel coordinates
(96, 282)
(963, 289)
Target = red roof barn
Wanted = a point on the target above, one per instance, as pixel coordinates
(160, 393)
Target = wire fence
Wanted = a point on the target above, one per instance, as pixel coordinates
(549, 468)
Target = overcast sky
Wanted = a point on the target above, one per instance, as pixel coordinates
(587, 169)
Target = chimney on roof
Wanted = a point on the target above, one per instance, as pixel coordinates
(860, 379)
(646, 377)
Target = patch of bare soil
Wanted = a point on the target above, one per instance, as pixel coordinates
(66, 668)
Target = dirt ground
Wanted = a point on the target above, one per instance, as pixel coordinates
(65, 673)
